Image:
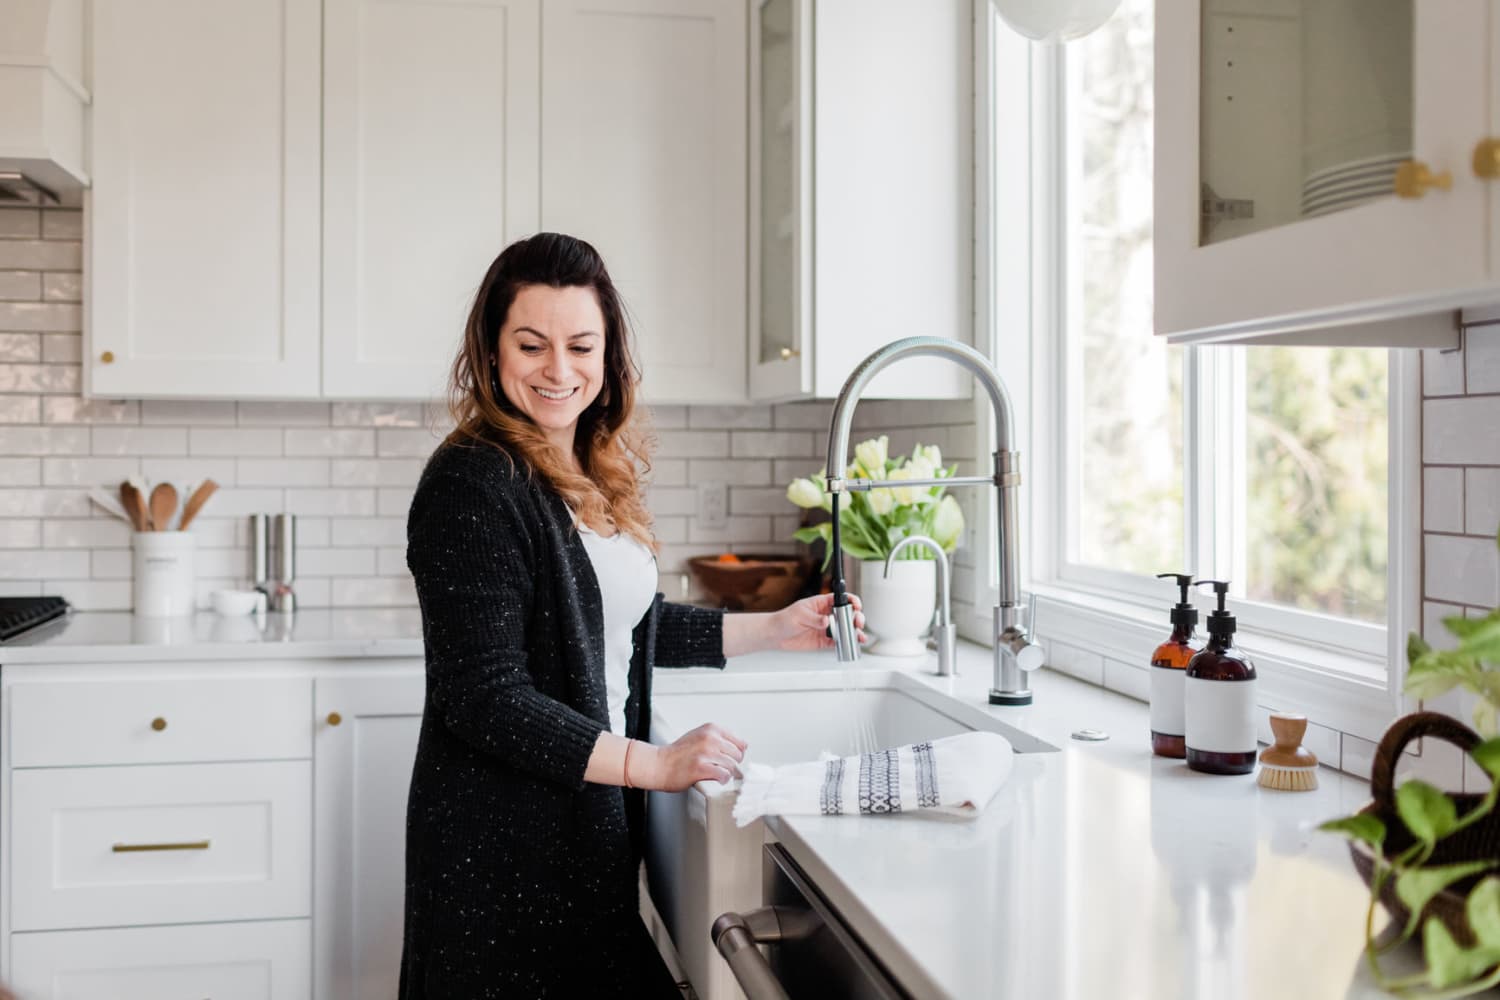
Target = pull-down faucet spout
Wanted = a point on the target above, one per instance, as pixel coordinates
(1015, 654)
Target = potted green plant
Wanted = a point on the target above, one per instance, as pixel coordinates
(1432, 858)
(897, 607)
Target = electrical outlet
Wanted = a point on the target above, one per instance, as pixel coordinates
(713, 505)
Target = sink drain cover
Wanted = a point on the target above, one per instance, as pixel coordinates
(1090, 735)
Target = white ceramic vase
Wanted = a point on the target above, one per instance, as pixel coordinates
(899, 608)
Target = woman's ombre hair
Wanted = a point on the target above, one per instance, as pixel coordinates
(612, 442)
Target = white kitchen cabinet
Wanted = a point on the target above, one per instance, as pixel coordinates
(430, 145)
(367, 726)
(861, 193)
(203, 219)
(643, 155)
(1281, 131)
(263, 960)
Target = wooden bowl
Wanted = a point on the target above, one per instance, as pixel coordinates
(754, 583)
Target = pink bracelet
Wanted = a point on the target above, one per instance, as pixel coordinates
(625, 769)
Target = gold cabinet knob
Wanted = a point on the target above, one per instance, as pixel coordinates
(108, 357)
(158, 723)
(334, 718)
(788, 353)
(1414, 179)
(1487, 159)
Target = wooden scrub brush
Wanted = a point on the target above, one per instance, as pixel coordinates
(1288, 766)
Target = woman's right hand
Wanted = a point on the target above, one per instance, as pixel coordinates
(709, 752)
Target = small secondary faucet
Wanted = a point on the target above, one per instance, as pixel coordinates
(1015, 654)
(944, 633)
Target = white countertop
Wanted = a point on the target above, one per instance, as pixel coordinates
(121, 637)
(1098, 871)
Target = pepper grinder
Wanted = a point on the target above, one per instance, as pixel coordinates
(283, 562)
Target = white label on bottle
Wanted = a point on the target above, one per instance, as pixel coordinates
(1220, 715)
(1167, 700)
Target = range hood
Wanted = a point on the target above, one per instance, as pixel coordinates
(43, 99)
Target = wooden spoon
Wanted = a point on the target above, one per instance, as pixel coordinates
(134, 504)
(163, 505)
(196, 501)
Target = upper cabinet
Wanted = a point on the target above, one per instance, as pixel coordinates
(861, 186)
(204, 212)
(1318, 177)
(643, 155)
(430, 145)
(299, 200)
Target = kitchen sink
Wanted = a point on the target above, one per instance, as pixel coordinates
(699, 864)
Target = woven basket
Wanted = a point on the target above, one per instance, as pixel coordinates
(1478, 842)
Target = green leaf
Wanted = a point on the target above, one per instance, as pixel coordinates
(1447, 963)
(1416, 886)
(1430, 684)
(1361, 826)
(1426, 811)
(1483, 908)
(1487, 756)
(1416, 647)
(817, 532)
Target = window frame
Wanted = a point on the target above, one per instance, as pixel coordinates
(1342, 674)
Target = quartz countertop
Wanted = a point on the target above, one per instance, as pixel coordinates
(121, 637)
(1098, 871)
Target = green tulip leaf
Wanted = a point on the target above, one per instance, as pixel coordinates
(1416, 886)
(1483, 909)
(1426, 811)
(1362, 827)
(1449, 964)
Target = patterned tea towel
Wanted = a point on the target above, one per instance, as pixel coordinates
(955, 774)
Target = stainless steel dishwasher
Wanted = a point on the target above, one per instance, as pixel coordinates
(813, 954)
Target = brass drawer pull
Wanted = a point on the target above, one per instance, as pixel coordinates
(190, 845)
(158, 723)
(334, 718)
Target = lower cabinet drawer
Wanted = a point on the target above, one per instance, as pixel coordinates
(177, 843)
(268, 960)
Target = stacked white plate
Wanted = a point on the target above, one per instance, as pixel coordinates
(1348, 184)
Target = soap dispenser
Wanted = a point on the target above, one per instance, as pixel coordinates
(1168, 672)
(1219, 698)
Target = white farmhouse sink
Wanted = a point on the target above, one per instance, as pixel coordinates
(699, 863)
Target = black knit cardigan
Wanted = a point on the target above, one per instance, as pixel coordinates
(520, 876)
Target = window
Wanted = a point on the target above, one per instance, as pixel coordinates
(1269, 465)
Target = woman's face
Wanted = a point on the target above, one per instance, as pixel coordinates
(551, 356)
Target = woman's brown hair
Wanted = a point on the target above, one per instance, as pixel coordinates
(612, 442)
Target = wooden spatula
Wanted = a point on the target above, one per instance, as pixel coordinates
(134, 504)
(163, 505)
(196, 501)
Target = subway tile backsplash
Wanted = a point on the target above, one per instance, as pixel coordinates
(346, 469)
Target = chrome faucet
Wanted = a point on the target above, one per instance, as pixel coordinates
(944, 633)
(1015, 654)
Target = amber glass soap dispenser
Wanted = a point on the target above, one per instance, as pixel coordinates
(1219, 699)
(1168, 670)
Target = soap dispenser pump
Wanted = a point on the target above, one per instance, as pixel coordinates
(1168, 673)
(1219, 698)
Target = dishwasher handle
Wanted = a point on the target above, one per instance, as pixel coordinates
(736, 936)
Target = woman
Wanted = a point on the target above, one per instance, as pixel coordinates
(531, 548)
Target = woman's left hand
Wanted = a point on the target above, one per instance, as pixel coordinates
(804, 625)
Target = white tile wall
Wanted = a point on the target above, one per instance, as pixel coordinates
(346, 469)
(1461, 509)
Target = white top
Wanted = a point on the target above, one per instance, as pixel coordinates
(626, 571)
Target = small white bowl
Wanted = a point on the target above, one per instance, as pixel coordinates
(233, 603)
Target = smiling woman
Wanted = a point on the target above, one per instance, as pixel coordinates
(531, 548)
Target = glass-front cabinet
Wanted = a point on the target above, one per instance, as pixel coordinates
(1316, 179)
(780, 183)
(870, 239)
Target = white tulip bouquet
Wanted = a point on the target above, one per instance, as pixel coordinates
(872, 522)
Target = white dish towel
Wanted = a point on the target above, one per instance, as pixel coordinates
(955, 774)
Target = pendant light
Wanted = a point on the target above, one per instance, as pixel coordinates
(1054, 20)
